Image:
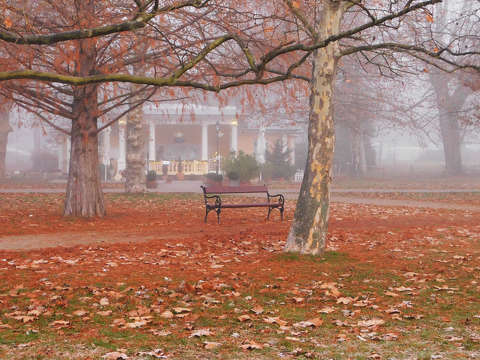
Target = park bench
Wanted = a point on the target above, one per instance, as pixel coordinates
(214, 192)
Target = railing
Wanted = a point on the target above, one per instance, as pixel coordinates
(190, 167)
(212, 164)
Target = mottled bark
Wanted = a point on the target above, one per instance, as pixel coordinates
(136, 152)
(4, 131)
(309, 229)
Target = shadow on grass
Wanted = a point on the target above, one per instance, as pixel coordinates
(333, 257)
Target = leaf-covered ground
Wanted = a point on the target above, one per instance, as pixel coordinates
(459, 197)
(153, 281)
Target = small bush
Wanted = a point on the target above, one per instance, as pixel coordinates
(278, 164)
(233, 175)
(245, 166)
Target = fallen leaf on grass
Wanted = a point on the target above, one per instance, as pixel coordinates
(309, 323)
(167, 314)
(160, 332)
(390, 337)
(275, 320)
(444, 288)
(105, 313)
(403, 289)
(201, 332)
(156, 354)
(361, 303)
(331, 289)
(136, 324)
(372, 322)
(59, 324)
(326, 310)
(36, 312)
(344, 300)
(243, 318)
(80, 313)
(392, 311)
(119, 322)
(104, 302)
(115, 356)
(181, 310)
(413, 317)
(24, 318)
(257, 310)
(211, 345)
(292, 338)
(454, 338)
(251, 345)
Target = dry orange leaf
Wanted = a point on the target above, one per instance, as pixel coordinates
(243, 318)
(8, 23)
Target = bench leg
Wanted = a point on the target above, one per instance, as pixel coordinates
(206, 214)
(269, 211)
(281, 213)
(218, 215)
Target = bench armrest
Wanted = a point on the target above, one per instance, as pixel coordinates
(281, 198)
(218, 199)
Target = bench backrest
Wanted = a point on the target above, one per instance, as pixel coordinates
(242, 189)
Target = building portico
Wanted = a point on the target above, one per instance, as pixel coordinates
(196, 136)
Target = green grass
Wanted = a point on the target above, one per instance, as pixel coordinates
(328, 257)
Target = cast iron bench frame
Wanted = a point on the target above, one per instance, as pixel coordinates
(214, 192)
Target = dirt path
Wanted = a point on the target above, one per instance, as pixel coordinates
(408, 203)
(70, 239)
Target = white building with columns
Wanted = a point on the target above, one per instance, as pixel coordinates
(195, 135)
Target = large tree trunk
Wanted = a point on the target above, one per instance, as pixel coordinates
(136, 152)
(452, 144)
(309, 229)
(84, 195)
(449, 106)
(4, 131)
(84, 192)
(359, 165)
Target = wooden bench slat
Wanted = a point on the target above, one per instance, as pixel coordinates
(217, 189)
(250, 205)
(212, 193)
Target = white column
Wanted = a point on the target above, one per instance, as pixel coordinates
(122, 144)
(261, 147)
(61, 155)
(234, 139)
(284, 143)
(152, 156)
(106, 146)
(205, 142)
(292, 150)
